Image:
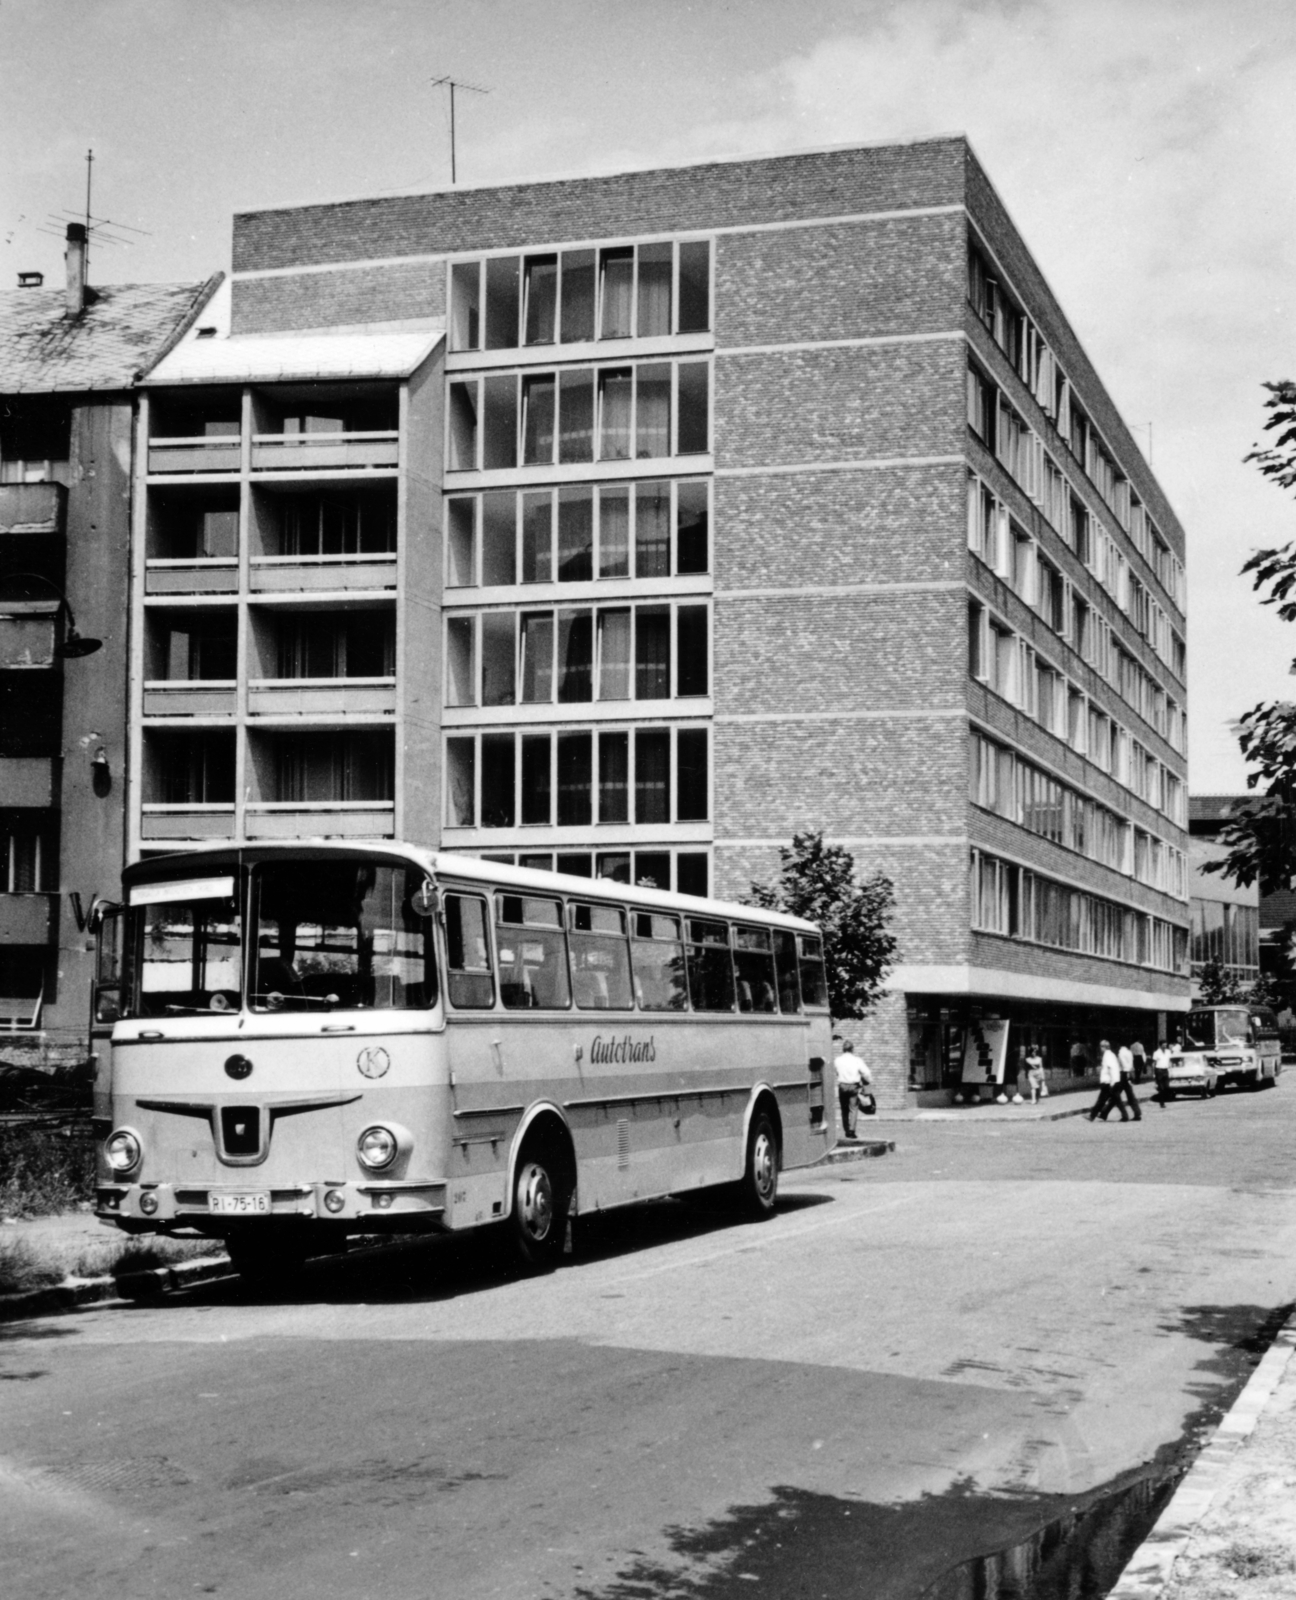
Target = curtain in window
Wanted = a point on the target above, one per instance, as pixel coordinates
(652, 413)
(615, 386)
(614, 533)
(652, 530)
(654, 291)
(618, 293)
(614, 655)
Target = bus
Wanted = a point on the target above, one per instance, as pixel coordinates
(317, 1040)
(1224, 1045)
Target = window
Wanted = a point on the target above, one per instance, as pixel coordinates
(537, 779)
(652, 652)
(35, 432)
(497, 769)
(575, 752)
(314, 768)
(692, 778)
(190, 769)
(691, 653)
(469, 981)
(28, 853)
(614, 777)
(710, 969)
(184, 956)
(600, 958)
(575, 656)
(532, 953)
(461, 783)
(657, 958)
(694, 408)
(306, 645)
(652, 775)
(753, 957)
(540, 299)
(198, 646)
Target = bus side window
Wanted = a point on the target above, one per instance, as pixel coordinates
(600, 958)
(710, 966)
(658, 958)
(814, 982)
(785, 961)
(532, 953)
(754, 969)
(470, 986)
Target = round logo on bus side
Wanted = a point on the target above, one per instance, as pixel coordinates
(238, 1067)
(373, 1061)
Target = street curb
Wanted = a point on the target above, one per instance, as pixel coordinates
(1149, 1569)
(147, 1285)
(856, 1152)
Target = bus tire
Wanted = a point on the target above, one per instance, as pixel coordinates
(541, 1201)
(758, 1190)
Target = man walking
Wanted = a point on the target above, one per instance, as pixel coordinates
(852, 1077)
(1125, 1056)
(1162, 1056)
(1109, 1075)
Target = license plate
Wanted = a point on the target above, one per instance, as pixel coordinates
(240, 1205)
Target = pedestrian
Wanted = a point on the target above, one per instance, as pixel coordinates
(1126, 1058)
(853, 1079)
(1108, 1085)
(1162, 1056)
(1035, 1073)
(1140, 1061)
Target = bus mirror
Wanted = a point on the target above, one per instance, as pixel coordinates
(425, 901)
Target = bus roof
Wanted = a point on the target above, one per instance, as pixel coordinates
(469, 869)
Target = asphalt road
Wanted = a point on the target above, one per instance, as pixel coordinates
(919, 1358)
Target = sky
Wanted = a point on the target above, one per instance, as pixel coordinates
(1144, 149)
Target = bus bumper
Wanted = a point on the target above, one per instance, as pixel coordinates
(365, 1206)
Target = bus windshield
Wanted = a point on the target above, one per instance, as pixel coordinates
(184, 948)
(339, 935)
(1208, 1030)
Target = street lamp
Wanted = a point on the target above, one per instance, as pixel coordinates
(73, 644)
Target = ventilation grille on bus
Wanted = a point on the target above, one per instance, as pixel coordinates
(623, 1143)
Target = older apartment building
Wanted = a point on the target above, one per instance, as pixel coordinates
(630, 524)
(69, 359)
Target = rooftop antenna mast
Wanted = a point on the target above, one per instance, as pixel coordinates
(89, 170)
(452, 84)
(101, 229)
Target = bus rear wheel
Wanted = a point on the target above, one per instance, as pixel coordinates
(759, 1187)
(540, 1206)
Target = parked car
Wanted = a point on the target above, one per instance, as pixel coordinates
(1227, 1045)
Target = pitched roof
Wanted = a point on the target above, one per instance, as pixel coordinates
(123, 330)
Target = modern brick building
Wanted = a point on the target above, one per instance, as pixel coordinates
(630, 524)
(69, 359)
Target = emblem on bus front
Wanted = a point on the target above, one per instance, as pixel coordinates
(238, 1067)
(373, 1061)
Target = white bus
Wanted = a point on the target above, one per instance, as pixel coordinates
(316, 1040)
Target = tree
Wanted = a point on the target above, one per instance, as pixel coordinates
(1260, 836)
(1217, 986)
(818, 881)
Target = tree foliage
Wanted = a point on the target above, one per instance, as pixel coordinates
(818, 881)
(1217, 986)
(1260, 836)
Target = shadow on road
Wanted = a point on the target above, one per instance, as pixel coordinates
(438, 1268)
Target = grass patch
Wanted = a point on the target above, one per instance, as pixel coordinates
(1252, 1560)
(27, 1263)
(45, 1171)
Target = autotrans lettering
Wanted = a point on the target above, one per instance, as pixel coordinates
(619, 1052)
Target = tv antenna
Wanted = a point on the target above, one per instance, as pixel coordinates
(452, 84)
(103, 230)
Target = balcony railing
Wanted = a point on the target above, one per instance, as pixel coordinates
(201, 575)
(187, 821)
(329, 819)
(289, 697)
(220, 452)
(173, 698)
(280, 574)
(325, 452)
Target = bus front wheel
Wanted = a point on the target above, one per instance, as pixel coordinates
(759, 1186)
(540, 1205)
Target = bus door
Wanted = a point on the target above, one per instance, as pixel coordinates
(107, 923)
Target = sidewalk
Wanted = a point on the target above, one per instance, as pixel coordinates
(1075, 1103)
(1229, 1533)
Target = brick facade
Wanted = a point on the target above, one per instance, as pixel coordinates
(839, 693)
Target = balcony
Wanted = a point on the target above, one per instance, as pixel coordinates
(201, 575)
(27, 918)
(292, 574)
(220, 452)
(313, 819)
(344, 697)
(32, 507)
(192, 822)
(177, 698)
(326, 452)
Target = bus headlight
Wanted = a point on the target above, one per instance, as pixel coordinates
(376, 1148)
(123, 1150)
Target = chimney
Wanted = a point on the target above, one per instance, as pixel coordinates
(76, 268)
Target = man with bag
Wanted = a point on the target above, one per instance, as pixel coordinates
(853, 1080)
